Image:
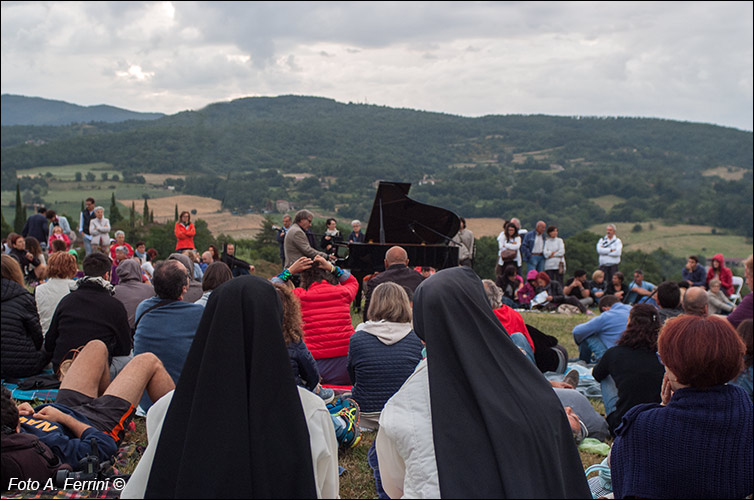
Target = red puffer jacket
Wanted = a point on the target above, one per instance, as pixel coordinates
(326, 310)
(725, 275)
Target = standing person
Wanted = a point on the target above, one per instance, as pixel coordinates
(509, 243)
(184, 232)
(297, 243)
(61, 269)
(718, 270)
(698, 442)
(357, 236)
(532, 248)
(99, 229)
(36, 226)
(629, 372)
(437, 438)
(609, 249)
(330, 238)
(280, 236)
(84, 219)
(22, 336)
(554, 253)
(465, 241)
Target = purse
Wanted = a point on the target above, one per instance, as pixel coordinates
(507, 254)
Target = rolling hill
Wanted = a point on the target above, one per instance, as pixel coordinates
(22, 110)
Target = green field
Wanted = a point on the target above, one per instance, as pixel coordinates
(68, 172)
(680, 240)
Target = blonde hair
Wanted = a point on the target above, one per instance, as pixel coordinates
(389, 302)
(598, 274)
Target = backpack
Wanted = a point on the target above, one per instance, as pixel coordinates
(25, 457)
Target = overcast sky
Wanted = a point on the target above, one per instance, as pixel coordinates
(688, 61)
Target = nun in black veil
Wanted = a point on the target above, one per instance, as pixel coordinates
(476, 419)
(235, 427)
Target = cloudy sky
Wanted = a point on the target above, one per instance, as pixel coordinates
(687, 61)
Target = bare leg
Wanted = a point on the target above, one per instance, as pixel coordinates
(89, 373)
(145, 371)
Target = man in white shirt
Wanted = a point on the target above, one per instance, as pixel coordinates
(609, 249)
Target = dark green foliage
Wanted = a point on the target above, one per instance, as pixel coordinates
(20, 220)
(114, 213)
(176, 213)
(145, 213)
(5, 228)
(486, 257)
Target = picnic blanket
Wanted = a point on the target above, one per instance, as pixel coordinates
(588, 386)
(31, 394)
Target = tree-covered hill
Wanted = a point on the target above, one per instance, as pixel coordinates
(530, 166)
(23, 110)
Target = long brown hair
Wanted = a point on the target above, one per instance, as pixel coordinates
(293, 323)
(11, 270)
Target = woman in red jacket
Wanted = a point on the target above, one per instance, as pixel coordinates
(184, 231)
(326, 295)
(718, 270)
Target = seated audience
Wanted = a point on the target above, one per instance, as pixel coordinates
(597, 287)
(718, 270)
(396, 271)
(511, 320)
(29, 256)
(510, 283)
(196, 263)
(745, 310)
(22, 336)
(217, 274)
(745, 380)
(121, 255)
(579, 287)
(207, 260)
(148, 266)
(695, 301)
(60, 272)
(617, 287)
(194, 291)
(698, 442)
(90, 312)
(555, 296)
(130, 290)
(527, 292)
(693, 273)
(630, 372)
(717, 302)
(59, 235)
(237, 266)
(165, 324)
(278, 443)
(668, 300)
(57, 246)
(303, 365)
(436, 439)
(90, 407)
(140, 252)
(383, 352)
(120, 241)
(215, 253)
(593, 424)
(639, 290)
(601, 333)
(326, 294)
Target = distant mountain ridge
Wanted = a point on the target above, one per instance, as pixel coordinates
(23, 110)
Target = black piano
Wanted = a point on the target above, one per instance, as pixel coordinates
(424, 231)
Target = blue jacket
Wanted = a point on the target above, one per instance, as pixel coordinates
(527, 243)
(167, 332)
(63, 444)
(697, 278)
(305, 369)
(378, 370)
(608, 326)
(36, 226)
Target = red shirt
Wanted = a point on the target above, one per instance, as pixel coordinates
(513, 322)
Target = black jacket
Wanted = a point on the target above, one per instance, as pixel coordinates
(22, 352)
(397, 273)
(86, 314)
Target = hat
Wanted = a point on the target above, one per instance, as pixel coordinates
(531, 275)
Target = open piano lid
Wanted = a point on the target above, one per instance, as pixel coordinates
(397, 219)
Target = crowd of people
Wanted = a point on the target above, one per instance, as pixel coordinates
(250, 386)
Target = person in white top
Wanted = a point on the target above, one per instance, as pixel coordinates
(609, 249)
(554, 253)
(61, 269)
(509, 243)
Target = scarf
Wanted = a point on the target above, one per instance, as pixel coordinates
(94, 281)
(388, 332)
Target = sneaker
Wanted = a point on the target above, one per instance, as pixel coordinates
(350, 414)
(339, 403)
(327, 395)
(572, 378)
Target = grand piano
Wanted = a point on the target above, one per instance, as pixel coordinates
(424, 231)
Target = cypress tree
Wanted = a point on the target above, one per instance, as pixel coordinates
(132, 216)
(145, 212)
(114, 215)
(151, 216)
(176, 212)
(20, 221)
(5, 228)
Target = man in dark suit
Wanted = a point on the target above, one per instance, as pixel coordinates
(397, 271)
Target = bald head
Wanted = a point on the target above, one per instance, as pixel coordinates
(396, 255)
(695, 301)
